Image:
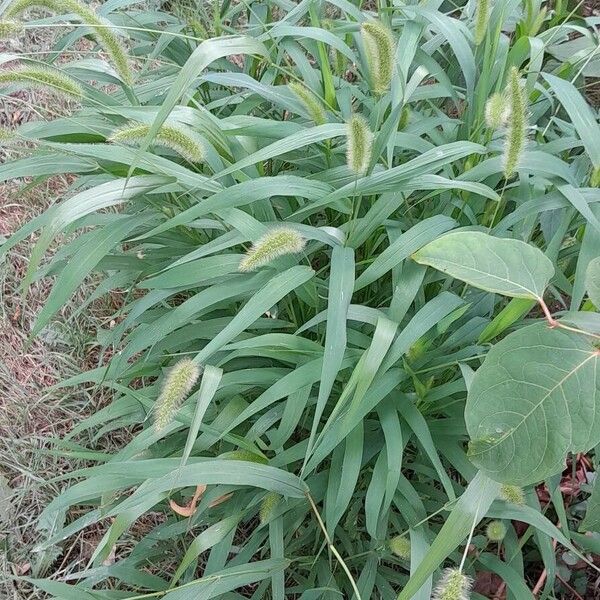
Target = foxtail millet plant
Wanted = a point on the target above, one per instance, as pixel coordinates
(175, 389)
(175, 138)
(359, 146)
(453, 585)
(43, 77)
(310, 102)
(379, 49)
(273, 244)
(516, 133)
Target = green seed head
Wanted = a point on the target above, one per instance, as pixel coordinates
(43, 77)
(360, 145)
(400, 546)
(185, 144)
(512, 494)
(10, 29)
(595, 177)
(277, 242)
(453, 585)
(18, 7)
(268, 506)
(311, 103)
(496, 111)
(517, 123)
(495, 531)
(482, 16)
(176, 387)
(379, 49)
(6, 135)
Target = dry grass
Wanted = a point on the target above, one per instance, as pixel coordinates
(31, 413)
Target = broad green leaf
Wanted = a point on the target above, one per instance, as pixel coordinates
(504, 266)
(592, 281)
(534, 399)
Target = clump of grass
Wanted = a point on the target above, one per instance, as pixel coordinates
(43, 77)
(169, 136)
(310, 101)
(379, 49)
(516, 134)
(177, 385)
(275, 243)
(102, 29)
(453, 585)
(360, 145)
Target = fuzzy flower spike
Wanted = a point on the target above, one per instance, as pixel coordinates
(310, 102)
(360, 145)
(43, 77)
(174, 138)
(177, 385)
(275, 243)
(512, 494)
(453, 585)
(514, 143)
(496, 111)
(380, 49)
(482, 16)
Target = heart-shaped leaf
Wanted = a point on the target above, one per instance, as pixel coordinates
(592, 281)
(505, 266)
(535, 398)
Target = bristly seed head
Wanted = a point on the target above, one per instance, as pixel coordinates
(275, 243)
(514, 143)
(359, 146)
(495, 531)
(453, 585)
(496, 111)
(482, 16)
(512, 494)
(169, 136)
(10, 29)
(311, 103)
(400, 546)
(177, 385)
(43, 77)
(380, 49)
(268, 506)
